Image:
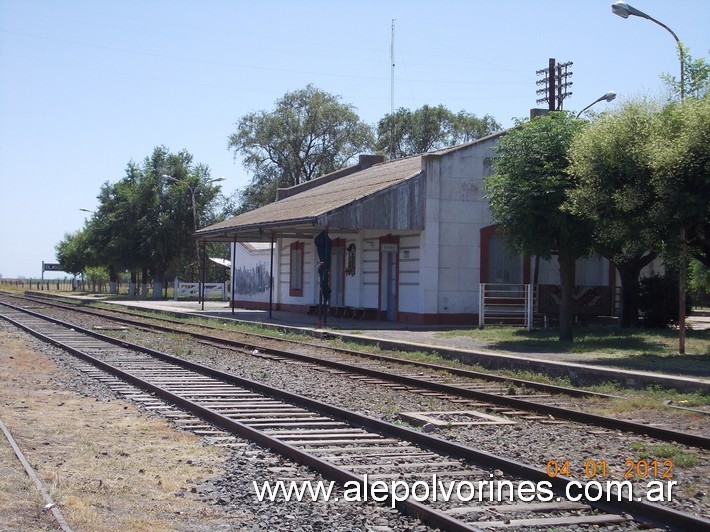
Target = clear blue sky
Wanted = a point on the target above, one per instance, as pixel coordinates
(88, 85)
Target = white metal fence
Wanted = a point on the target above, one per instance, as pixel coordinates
(510, 304)
(192, 290)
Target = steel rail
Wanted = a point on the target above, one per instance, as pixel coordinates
(643, 511)
(551, 388)
(668, 435)
(330, 471)
(179, 319)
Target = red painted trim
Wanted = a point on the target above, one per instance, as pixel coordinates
(403, 317)
(295, 292)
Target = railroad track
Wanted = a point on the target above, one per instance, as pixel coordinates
(521, 399)
(351, 448)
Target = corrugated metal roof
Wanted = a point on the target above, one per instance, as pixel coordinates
(306, 206)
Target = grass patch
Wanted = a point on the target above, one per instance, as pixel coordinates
(610, 340)
(653, 394)
(680, 457)
(629, 348)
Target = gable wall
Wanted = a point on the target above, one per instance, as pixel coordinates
(400, 208)
(456, 211)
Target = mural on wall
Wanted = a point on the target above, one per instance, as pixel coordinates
(254, 280)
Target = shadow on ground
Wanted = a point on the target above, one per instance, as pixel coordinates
(633, 349)
(551, 344)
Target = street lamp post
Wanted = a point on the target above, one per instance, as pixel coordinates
(193, 192)
(609, 96)
(623, 9)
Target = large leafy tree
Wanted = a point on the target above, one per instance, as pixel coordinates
(74, 252)
(113, 225)
(527, 193)
(681, 161)
(165, 223)
(428, 128)
(308, 134)
(145, 221)
(612, 165)
(681, 178)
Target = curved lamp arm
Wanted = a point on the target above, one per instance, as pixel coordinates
(623, 9)
(609, 96)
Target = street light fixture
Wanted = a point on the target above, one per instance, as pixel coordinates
(623, 9)
(193, 191)
(609, 96)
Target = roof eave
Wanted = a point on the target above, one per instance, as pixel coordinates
(246, 232)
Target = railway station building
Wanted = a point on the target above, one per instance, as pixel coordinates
(412, 241)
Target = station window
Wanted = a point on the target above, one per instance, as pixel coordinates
(296, 276)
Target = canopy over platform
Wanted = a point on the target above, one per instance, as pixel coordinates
(370, 195)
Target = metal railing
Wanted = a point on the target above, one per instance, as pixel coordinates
(192, 290)
(509, 304)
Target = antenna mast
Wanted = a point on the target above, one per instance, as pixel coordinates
(392, 94)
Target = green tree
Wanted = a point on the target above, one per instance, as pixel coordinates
(145, 222)
(113, 226)
(96, 276)
(696, 77)
(698, 278)
(428, 128)
(165, 223)
(681, 178)
(310, 133)
(612, 166)
(74, 252)
(527, 192)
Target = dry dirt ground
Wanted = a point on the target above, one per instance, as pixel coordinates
(106, 465)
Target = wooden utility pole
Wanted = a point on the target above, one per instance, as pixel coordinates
(555, 83)
(551, 84)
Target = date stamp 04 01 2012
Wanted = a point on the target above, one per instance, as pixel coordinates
(633, 469)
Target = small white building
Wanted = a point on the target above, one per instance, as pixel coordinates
(412, 242)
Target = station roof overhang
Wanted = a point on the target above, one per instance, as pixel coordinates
(263, 232)
(383, 196)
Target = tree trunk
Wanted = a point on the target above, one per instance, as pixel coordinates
(567, 272)
(112, 280)
(158, 285)
(144, 283)
(629, 272)
(132, 284)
